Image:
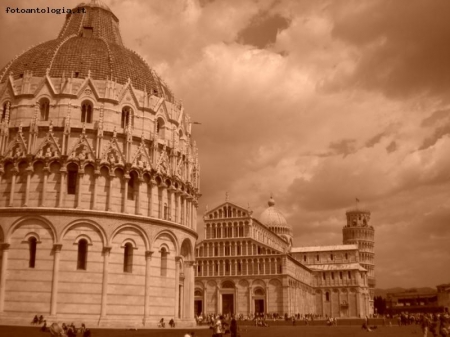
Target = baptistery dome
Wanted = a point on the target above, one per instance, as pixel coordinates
(89, 45)
(272, 218)
(99, 183)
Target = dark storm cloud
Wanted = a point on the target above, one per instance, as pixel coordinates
(436, 117)
(263, 29)
(344, 146)
(391, 147)
(403, 45)
(437, 134)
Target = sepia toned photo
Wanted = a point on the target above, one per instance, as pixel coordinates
(224, 168)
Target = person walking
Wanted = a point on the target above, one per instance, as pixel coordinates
(218, 329)
(233, 327)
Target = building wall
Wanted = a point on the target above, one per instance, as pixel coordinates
(104, 294)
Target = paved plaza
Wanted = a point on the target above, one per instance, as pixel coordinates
(278, 331)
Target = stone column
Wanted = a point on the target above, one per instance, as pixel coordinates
(44, 186)
(250, 293)
(56, 257)
(138, 197)
(94, 199)
(110, 192)
(189, 290)
(177, 313)
(62, 186)
(204, 300)
(218, 300)
(106, 252)
(148, 260)
(5, 248)
(80, 188)
(266, 306)
(358, 303)
(28, 172)
(331, 302)
(13, 185)
(150, 185)
(339, 302)
(126, 177)
(323, 302)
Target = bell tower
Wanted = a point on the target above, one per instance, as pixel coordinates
(358, 231)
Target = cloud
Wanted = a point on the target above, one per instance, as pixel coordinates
(263, 30)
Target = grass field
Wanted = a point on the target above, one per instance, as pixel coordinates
(279, 331)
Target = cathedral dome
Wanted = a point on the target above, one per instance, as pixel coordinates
(273, 218)
(88, 45)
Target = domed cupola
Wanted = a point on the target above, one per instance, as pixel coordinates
(276, 222)
(89, 45)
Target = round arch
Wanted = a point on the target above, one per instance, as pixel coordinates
(187, 250)
(84, 222)
(171, 236)
(135, 227)
(39, 218)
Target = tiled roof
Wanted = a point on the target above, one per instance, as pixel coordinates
(323, 248)
(337, 266)
(102, 54)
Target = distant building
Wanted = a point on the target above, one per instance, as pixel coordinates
(412, 302)
(247, 266)
(444, 296)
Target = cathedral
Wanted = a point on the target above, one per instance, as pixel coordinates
(247, 266)
(99, 183)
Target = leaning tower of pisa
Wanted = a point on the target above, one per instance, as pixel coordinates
(358, 231)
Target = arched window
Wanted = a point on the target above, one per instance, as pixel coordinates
(340, 275)
(304, 258)
(32, 244)
(227, 249)
(349, 275)
(82, 254)
(127, 117)
(346, 256)
(227, 266)
(6, 107)
(72, 177)
(164, 254)
(317, 257)
(86, 112)
(160, 127)
(127, 258)
(44, 108)
(331, 257)
(324, 276)
(332, 275)
(327, 296)
(259, 292)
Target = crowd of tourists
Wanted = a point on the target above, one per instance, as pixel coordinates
(257, 317)
(437, 324)
(62, 330)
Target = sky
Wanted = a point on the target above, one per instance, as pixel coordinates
(316, 102)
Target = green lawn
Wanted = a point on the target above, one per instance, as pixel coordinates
(279, 331)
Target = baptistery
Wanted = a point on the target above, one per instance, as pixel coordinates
(99, 187)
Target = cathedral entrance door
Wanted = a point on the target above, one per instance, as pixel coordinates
(198, 307)
(227, 304)
(259, 306)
